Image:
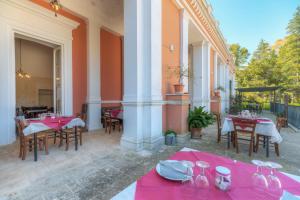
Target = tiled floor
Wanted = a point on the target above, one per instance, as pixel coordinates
(101, 168)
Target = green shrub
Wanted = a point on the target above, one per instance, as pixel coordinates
(199, 118)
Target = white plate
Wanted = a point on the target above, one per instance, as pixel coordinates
(169, 178)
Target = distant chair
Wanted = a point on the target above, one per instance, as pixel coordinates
(110, 122)
(244, 129)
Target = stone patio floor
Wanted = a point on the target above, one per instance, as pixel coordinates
(101, 168)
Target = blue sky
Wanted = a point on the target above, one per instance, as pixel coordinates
(248, 21)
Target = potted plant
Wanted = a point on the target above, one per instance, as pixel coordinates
(181, 72)
(218, 91)
(198, 118)
(170, 137)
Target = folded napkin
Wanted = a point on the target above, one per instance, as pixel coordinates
(173, 170)
(288, 196)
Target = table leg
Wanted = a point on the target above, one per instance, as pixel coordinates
(35, 146)
(76, 139)
(228, 140)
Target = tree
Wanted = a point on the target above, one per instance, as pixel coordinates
(262, 69)
(240, 54)
(294, 24)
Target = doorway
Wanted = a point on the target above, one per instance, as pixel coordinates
(38, 77)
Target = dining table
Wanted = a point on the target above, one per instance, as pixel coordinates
(264, 126)
(55, 123)
(153, 186)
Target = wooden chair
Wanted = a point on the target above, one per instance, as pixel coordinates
(26, 142)
(280, 122)
(244, 129)
(69, 136)
(110, 122)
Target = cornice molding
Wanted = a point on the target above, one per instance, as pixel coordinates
(203, 12)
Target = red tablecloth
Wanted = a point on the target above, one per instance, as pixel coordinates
(152, 186)
(57, 123)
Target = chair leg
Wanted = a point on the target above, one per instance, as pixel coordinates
(21, 148)
(236, 142)
(46, 144)
(251, 146)
(109, 129)
(105, 126)
(277, 149)
(67, 141)
(219, 136)
(60, 139)
(54, 138)
(24, 151)
(257, 143)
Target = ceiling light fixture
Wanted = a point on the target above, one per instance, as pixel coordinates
(20, 73)
(56, 6)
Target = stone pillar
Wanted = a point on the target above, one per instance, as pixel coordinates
(142, 99)
(215, 70)
(197, 98)
(201, 75)
(206, 75)
(184, 47)
(94, 99)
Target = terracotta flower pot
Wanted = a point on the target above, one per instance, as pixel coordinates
(196, 133)
(178, 88)
(217, 93)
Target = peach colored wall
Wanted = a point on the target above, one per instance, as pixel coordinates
(111, 67)
(212, 72)
(79, 57)
(170, 35)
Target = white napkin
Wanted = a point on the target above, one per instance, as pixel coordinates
(173, 170)
(288, 196)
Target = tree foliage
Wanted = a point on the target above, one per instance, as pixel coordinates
(240, 54)
(268, 67)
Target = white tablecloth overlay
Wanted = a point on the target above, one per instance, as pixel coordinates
(263, 128)
(129, 192)
(38, 127)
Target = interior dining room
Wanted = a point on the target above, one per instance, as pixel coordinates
(35, 85)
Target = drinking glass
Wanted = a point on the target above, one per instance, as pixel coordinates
(190, 172)
(259, 181)
(202, 180)
(275, 186)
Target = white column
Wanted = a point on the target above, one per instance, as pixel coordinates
(184, 46)
(206, 75)
(94, 99)
(7, 85)
(215, 70)
(142, 75)
(198, 94)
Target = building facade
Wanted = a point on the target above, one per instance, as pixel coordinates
(123, 52)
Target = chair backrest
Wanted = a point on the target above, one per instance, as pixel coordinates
(243, 125)
(21, 124)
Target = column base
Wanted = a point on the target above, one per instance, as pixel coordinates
(94, 116)
(154, 143)
(146, 144)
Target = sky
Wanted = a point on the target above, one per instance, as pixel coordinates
(248, 21)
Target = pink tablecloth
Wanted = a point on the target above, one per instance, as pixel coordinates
(56, 123)
(152, 186)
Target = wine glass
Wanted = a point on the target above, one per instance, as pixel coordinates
(189, 171)
(202, 180)
(258, 179)
(275, 186)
